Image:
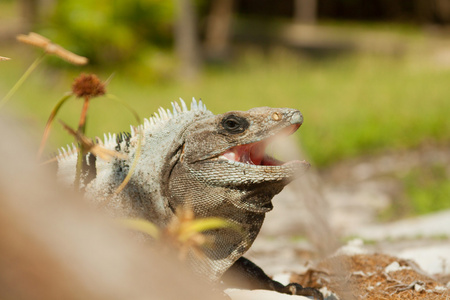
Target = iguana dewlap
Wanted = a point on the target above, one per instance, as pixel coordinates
(215, 165)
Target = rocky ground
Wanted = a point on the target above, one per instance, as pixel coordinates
(301, 240)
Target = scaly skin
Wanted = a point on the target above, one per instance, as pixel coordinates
(213, 164)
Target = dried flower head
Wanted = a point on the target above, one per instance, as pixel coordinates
(4, 58)
(50, 48)
(88, 85)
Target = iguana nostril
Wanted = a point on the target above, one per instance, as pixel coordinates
(297, 118)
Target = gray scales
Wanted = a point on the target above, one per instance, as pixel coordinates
(215, 165)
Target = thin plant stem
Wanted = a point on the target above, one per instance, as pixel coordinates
(140, 134)
(79, 166)
(82, 129)
(117, 99)
(48, 126)
(21, 80)
(82, 122)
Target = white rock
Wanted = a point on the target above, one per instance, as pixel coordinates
(434, 259)
(237, 294)
(440, 288)
(283, 278)
(353, 247)
(395, 266)
(419, 288)
(427, 226)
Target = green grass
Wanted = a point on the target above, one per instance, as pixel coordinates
(428, 189)
(353, 105)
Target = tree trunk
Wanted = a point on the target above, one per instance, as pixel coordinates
(186, 40)
(218, 29)
(442, 11)
(423, 11)
(305, 11)
(29, 10)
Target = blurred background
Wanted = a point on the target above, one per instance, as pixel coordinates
(372, 79)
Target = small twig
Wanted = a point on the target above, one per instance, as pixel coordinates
(404, 287)
(49, 161)
(90, 146)
(40, 41)
(390, 279)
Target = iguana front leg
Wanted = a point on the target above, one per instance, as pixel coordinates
(245, 274)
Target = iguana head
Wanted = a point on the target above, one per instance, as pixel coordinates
(219, 168)
(225, 155)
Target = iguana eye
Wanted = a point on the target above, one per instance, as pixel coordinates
(234, 124)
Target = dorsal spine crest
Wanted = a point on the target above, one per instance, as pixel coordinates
(159, 118)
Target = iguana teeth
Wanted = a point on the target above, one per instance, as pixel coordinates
(183, 105)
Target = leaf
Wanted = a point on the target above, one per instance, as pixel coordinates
(191, 228)
(142, 226)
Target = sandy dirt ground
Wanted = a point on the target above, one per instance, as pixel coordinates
(304, 240)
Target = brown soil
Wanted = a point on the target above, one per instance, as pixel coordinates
(364, 277)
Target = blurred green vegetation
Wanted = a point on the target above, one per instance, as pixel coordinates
(112, 31)
(355, 105)
(428, 189)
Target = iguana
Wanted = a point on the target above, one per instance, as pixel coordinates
(214, 164)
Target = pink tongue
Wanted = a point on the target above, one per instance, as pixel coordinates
(243, 154)
(249, 154)
(257, 154)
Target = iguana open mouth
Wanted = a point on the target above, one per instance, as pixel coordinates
(255, 153)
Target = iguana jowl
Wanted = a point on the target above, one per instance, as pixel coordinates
(213, 164)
